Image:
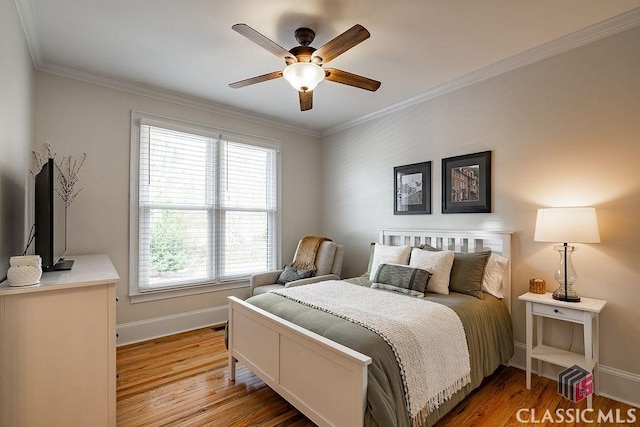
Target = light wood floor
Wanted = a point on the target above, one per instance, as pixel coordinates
(182, 380)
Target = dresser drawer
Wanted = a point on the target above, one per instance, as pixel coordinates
(558, 312)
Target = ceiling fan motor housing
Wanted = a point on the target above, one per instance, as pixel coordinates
(305, 36)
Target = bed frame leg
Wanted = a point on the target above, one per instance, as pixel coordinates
(232, 368)
(229, 330)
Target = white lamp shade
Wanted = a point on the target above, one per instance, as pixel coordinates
(567, 225)
(303, 76)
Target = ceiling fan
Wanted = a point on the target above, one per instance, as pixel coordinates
(304, 63)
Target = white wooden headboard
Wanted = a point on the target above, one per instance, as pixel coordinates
(460, 241)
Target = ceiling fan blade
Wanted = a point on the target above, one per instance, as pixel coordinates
(342, 43)
(264, 42)
(355, 80)
(306, 100)
(256, 79)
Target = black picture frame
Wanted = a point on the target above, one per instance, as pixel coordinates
(412, 189)
(466, 183)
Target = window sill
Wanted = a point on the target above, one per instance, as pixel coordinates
(186, 291)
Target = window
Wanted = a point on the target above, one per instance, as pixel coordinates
(204, 205)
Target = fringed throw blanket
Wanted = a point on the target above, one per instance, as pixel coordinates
(427, 338)
(305, 257)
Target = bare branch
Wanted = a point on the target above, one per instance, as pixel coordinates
(68, 169)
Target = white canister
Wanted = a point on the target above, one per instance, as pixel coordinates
(24, 270)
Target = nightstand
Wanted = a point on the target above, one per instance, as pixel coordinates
(585, 313)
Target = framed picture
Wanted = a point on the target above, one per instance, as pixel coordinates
(412, 189)
(466, 183)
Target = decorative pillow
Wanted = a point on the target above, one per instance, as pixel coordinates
(493, 272)
(372, 248)
(429, 248)
(388, 254)
(401, 278)
(438, 264)
(289, 274)
(467, 273)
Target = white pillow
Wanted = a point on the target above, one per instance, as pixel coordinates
(493, 272)
(388, 255)
(438, 264)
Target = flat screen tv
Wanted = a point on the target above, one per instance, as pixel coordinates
(45, 242)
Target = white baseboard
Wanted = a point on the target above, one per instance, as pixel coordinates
(133, 332)
(615, 384)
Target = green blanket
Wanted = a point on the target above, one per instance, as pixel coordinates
(487, 326)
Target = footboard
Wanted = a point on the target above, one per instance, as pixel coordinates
(323, 379)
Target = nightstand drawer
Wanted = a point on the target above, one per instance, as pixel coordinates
(558, 312)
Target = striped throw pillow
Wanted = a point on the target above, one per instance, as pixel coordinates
(401, 278)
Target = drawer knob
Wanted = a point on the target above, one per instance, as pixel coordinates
(556, 311)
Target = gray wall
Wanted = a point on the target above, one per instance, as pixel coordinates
(77, 117)
(563, 131)
(16, 117)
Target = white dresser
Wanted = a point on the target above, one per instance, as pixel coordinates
(57, 347)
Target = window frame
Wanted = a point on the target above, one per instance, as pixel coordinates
(138, 119)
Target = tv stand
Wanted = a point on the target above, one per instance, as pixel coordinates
(63, 264)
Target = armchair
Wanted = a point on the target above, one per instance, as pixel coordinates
(328, 263)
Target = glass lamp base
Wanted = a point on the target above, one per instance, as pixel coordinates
(569, 296)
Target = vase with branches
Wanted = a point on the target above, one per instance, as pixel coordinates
(67, 177)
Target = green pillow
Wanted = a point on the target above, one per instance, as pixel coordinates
(289, 274)
(401, 278)
(429, 248)
(467, 273)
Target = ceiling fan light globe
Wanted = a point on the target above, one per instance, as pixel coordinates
(303, 76)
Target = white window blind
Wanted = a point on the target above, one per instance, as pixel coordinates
(207, 208)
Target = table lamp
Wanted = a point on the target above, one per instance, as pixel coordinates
(566, 225)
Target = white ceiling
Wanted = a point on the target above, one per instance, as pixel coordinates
(187, 47)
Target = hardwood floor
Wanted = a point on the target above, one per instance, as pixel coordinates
(182, 380)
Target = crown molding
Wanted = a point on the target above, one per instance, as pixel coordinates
(174, 98)
(30, 27)
(598, 31)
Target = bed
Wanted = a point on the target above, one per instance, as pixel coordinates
(340, 373)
